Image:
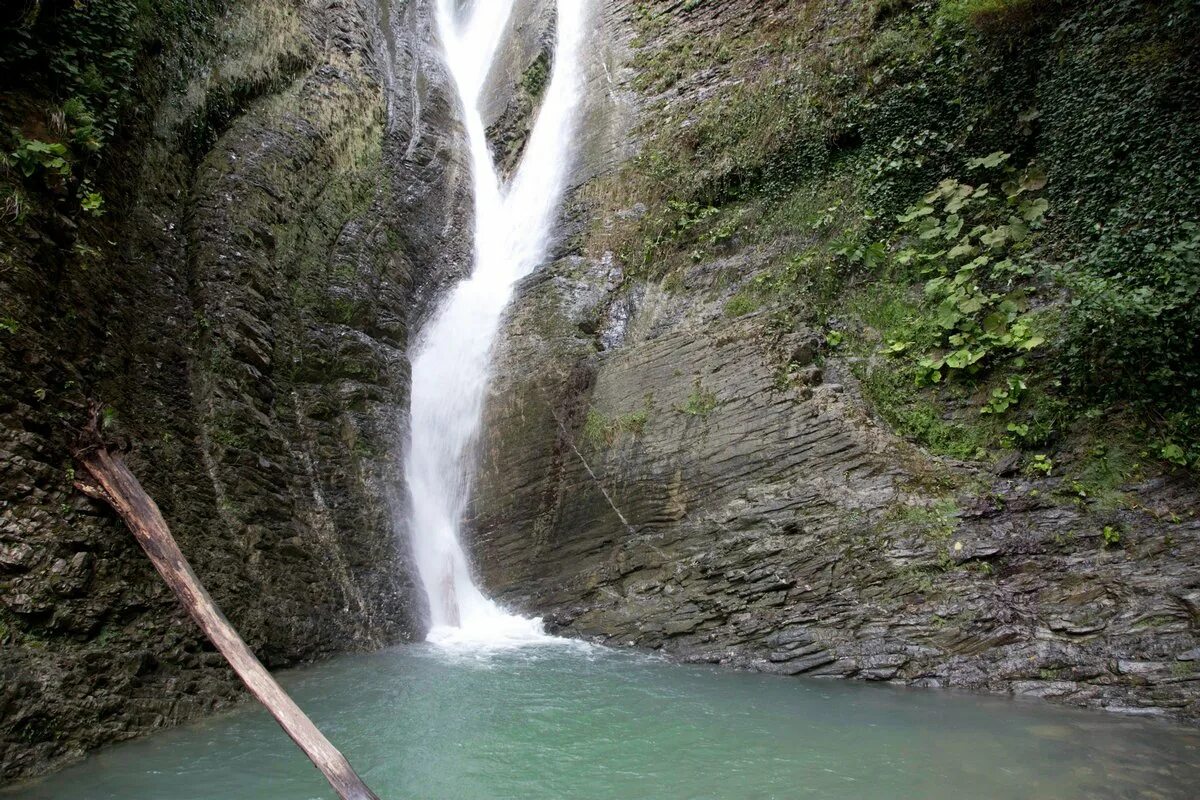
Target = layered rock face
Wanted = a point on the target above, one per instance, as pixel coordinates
(650, 477)
(281, 221)
(650, 485)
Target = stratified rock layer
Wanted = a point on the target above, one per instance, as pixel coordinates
(649, 478)
(246, 322)
(664, 492)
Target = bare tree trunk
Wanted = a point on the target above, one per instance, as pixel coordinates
(116, 485)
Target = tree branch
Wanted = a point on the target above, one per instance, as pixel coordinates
(112, 482)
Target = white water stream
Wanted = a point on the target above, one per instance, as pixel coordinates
(451, 360)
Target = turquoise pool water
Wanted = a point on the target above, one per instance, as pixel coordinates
(561, 722)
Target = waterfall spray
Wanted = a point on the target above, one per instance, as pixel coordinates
(450, 364)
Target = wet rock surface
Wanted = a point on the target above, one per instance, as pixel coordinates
(650, 477)
(518, 80)
(247, 326)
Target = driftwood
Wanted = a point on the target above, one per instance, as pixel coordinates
(112, 482)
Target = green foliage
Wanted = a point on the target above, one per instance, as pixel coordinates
(1179, 441)
(1035, 294)
(993, 15)
(633, 422)
(740, 304)
(936, 522)
(48, 158)
(682, 227)
(659, 68)
(600, 432)
(70, 73)
(703, 182)
(972, 324)
(1112, 536)
(701, 402)
(1105, 468)
(1129, 169)
(1174, 453)
(87, 51)
(536, 77)
(915, 415)
(92, 202)
(970, 245)
(49, 163)
(85, 136)
(1133, 319)
(1005, 397)
(1040, 464)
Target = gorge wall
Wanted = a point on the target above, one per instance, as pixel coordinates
(766, 407)
(280, 182)
(705, 436)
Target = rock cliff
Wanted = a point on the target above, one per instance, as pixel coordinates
(279, 204)
(678, 459)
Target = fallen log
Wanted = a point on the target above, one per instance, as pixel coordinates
(112, 482)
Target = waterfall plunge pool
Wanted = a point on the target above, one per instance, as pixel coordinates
(566, 721)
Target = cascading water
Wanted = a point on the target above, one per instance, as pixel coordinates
(450, 365)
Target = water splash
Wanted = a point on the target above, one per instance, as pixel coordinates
(450, 365)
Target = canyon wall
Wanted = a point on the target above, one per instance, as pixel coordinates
(752, 413)
(685, 451)
(280, 198)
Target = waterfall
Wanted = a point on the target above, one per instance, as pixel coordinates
(450, 362)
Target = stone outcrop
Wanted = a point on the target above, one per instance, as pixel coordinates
(518, 80)
(647, 482)
(651, 477)
(244, 313)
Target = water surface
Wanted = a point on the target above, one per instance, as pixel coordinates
(562, 722)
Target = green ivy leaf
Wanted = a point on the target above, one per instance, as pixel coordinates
(970, 305)
(1034, 210)
(1031, 343)
(1034, 178)
(989, 161)
(1174, 453)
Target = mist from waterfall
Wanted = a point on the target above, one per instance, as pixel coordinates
(451, 359)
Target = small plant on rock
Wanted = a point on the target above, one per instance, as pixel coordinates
(700, 402)
(1112, 536)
